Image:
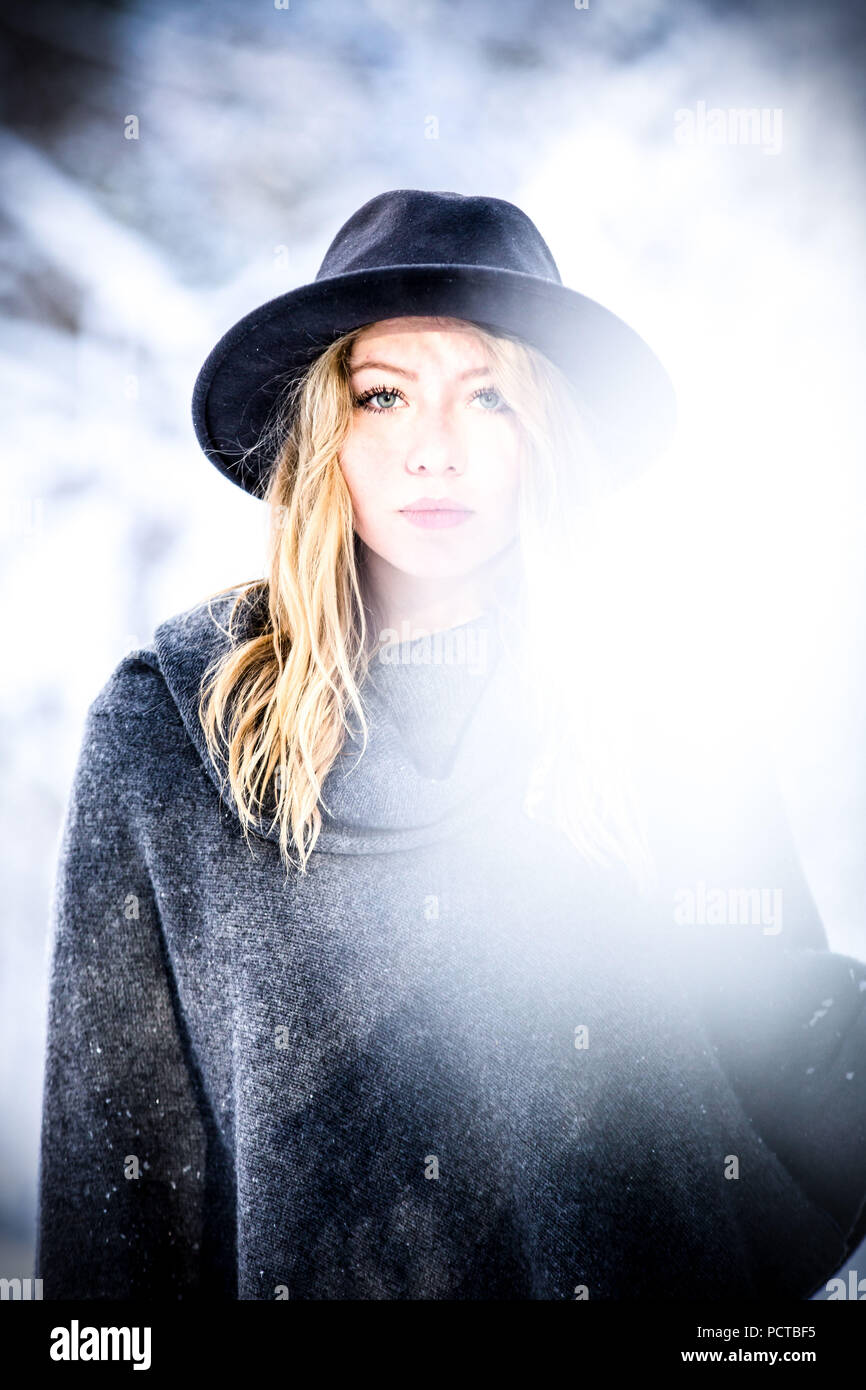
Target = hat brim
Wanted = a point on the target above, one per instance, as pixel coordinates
(629, 396)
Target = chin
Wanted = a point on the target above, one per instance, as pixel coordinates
(441, 561)
(448, 567)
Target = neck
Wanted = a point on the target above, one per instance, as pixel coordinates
(412, 606)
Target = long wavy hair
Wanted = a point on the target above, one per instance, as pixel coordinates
(275, 707)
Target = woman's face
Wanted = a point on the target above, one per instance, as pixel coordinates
(429, 427)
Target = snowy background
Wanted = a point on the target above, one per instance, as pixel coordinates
(259, 131)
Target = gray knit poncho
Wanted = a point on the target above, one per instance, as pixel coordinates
(451, 1061)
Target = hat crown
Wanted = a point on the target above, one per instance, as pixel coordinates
(411, 226)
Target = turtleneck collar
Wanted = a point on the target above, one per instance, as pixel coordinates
(430, 687)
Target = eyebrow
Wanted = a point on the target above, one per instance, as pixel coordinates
(413, 376)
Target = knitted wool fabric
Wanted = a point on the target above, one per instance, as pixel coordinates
(452, 1061)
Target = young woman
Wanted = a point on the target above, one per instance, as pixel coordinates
(363, 983)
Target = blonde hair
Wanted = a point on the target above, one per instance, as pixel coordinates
(276, 705)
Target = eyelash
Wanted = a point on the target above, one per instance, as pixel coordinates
(362, 400)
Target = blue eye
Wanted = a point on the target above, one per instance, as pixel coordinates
(364, 400)
(489, 391)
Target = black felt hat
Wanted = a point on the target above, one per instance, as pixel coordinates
(415, 252)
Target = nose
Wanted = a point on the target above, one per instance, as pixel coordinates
(436, 448)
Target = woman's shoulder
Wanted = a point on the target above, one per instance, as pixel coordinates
(142, 729)
(130, 727)
(179, 645)
(134, 686)
(149, 697)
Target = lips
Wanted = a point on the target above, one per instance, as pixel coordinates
(432, 513)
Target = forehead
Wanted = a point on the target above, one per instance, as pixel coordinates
(419, 336)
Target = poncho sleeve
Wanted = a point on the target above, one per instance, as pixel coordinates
(789, 1028)
(127, 1145)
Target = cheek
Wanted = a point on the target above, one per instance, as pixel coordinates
(368, 472)
(362, 469)
(497, 465)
